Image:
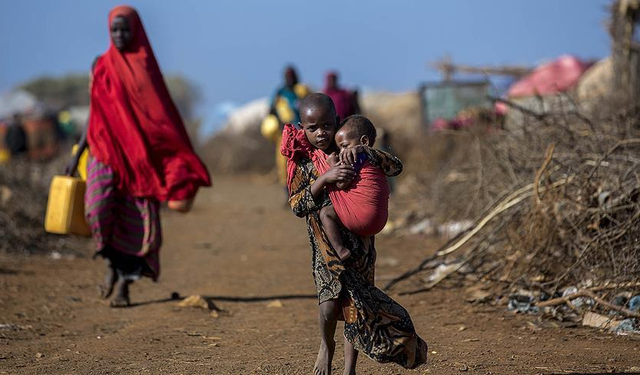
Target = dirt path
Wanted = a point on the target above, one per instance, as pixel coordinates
(241, 247)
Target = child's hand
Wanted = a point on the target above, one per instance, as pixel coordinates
(350, 155)
(333, 159)
(339, 173)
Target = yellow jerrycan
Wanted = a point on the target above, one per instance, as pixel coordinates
(270, 128)
(65, 207)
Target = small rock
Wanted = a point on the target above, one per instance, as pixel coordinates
(39, 355)
(197, 301)
(214, 314)
(175, 295)
(275, 304)
(464, 367)
(477, 295)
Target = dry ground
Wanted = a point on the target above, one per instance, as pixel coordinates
(241, 247)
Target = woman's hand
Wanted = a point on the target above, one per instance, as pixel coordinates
(350, 155)
(72, 165)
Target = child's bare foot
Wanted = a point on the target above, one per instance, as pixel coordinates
(343, 253)
(110, 280)
(121, 298)
(325, 357)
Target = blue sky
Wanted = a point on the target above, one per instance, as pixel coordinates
(235, 50)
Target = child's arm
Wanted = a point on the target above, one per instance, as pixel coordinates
(334, 160)
(304, 192)
(390, 164)
(300, 197)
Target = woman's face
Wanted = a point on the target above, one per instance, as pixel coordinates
(121, 33)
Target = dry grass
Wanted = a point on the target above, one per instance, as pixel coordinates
(577, 218)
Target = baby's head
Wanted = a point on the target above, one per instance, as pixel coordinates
(356, 130)
(318, 120)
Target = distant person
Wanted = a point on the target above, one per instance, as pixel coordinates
(16, 137)
(374, 323)
(42, 134)
(346, 102)
(284, 105)
(140, 156)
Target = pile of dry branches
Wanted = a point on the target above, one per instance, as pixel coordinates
(562, 207)
(23, 201)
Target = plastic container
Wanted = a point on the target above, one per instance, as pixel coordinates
(65, 208)
(82, 162)
(270, 128)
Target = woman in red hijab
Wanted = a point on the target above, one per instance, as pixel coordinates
(140, 156)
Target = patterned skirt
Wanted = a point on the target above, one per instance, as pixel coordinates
(126, 229)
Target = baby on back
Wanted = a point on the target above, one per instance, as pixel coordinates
(361, 205)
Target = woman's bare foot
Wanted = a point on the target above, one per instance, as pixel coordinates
(325, 357)
(110, 280)
(121, 298)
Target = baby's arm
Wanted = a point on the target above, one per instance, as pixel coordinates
(334, 160)
(390, 164)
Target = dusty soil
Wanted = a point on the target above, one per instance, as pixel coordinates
(241, 247)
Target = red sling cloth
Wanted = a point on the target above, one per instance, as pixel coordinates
(363, 208)
(134, 126)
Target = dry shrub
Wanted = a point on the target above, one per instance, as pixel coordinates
(580, 221)
(247, 152)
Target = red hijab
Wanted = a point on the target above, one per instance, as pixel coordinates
(134, 126)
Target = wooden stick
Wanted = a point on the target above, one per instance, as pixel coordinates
(509, 202)
(589, 294)
(547, 160)
(615, 286)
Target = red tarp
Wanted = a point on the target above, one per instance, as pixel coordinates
(550, 78)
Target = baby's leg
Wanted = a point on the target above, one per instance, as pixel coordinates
(327, 319)
(331, 224)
